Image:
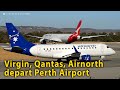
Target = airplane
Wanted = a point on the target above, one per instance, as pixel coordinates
(58, 51)
(66, 38)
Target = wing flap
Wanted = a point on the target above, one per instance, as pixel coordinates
(8, 48)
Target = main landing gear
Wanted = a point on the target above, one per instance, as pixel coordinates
(67, 59)
(59, 60)
(102, 57)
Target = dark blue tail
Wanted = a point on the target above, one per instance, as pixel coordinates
(17, 40)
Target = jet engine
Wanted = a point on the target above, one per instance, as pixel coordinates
(42, 41)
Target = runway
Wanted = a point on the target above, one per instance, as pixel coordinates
(111, 68)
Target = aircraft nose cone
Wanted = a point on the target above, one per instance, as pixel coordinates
(113, 52)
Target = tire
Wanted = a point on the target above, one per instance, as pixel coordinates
(59, 60)
(68, 59)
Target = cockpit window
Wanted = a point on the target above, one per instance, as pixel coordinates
(107, 47)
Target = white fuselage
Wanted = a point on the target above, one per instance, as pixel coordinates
(63, 50)
(62, 37)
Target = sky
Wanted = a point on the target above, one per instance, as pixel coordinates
(62, 19)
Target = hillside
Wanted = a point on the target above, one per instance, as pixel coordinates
(28, 29)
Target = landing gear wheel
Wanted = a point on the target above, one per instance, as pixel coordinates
(68, 59)
(101, 58)
(78, 59)
(59, 60)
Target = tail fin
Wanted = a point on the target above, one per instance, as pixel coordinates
(78, 28)
(16, 39)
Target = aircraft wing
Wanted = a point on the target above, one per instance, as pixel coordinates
(66, 55)
(50, 39)
(72, 55)
(35, 36)
(6, 48)
(92, 36)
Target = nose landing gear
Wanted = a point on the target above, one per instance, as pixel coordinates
(102, 57)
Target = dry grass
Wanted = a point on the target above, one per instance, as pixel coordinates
(6, 55)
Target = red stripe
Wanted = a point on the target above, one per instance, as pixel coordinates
(79, 24)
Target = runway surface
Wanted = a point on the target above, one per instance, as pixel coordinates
(111, 68)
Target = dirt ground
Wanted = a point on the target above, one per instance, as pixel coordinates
(6, 55)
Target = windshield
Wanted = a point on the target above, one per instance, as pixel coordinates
(107, 46)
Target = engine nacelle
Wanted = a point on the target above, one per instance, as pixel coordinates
(42, 41)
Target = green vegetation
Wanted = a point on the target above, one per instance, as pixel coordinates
(110, 38)
(3, 37)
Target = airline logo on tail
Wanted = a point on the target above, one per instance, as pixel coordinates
(78, 28)
(76, 34)
(14, 38)
(17, 40)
